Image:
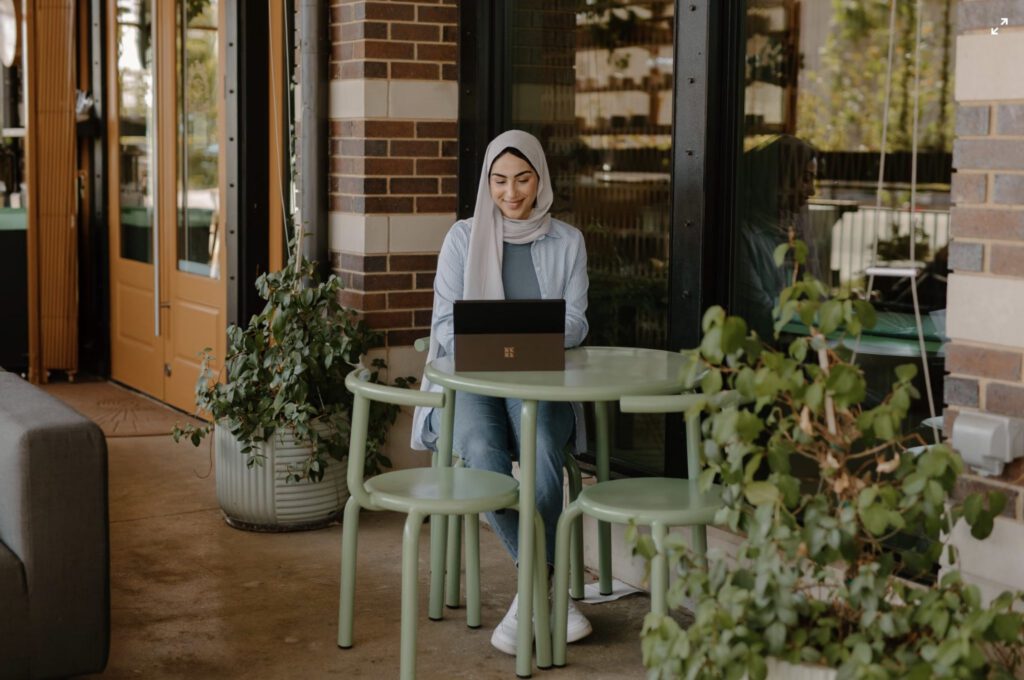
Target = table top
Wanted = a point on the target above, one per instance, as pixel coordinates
(591, 374)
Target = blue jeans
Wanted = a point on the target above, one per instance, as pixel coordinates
(486, 437)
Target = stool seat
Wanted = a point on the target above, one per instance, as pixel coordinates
(657, 502)
(647, 500)
(443, 490)
(420, 493)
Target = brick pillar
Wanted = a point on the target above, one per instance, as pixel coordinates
(393, 136)
(394, 111)
(985, 316)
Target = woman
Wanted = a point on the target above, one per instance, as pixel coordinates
(779, 178)
(511, 249)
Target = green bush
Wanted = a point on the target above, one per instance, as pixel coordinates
(845, 519)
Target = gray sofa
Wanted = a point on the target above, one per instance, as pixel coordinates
(54, 548)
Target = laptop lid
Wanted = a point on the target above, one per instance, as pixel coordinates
(509, 335)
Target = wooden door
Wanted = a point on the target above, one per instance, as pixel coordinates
(168, 294)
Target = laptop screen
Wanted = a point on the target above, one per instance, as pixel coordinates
(509, 335)
(509, 316)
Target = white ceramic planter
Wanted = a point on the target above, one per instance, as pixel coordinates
(260, 498)
(780, 670)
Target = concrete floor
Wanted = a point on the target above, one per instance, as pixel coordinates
(193, 598)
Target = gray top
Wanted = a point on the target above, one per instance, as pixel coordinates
(518, 275)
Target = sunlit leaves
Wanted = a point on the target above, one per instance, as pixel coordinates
(761, 493)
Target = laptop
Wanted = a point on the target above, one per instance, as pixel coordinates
(509, 335)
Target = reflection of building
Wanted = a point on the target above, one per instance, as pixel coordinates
(771, 65)
(623, 112)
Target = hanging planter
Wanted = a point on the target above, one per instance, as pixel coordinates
(260, 497)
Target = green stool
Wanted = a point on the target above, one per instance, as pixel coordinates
(446, 542)
(440, 490)
(657, 502)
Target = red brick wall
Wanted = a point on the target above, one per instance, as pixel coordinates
(392, 166)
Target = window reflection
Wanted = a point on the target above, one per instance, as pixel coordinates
(135, 106)
(815, 82)
(198, 198)
(592, 79)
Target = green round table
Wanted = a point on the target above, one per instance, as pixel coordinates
(596, 374)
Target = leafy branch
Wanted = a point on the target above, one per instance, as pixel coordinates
(286, 371)
(845, 517)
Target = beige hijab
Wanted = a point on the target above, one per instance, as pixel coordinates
(482, 277)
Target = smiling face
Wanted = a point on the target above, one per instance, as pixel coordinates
(513, 186)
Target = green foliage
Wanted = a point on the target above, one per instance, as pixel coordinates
(286, 370)
(841, 513)
(839, 106)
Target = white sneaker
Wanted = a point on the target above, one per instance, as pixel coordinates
(577, 625)
(504, 636)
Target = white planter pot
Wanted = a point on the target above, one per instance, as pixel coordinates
(781, 670)
(260, 498)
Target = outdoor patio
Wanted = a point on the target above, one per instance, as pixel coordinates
(193, 598)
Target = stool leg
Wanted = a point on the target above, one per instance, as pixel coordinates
(560, 601)
(438, 524)
(346, 605)
(473, 571)
(453, 562)
(659, 570)
(541, 611)
(576, 555)
(438, 539)
(602, 417)
(410, 561)
(699, 535)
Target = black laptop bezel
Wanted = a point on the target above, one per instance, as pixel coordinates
(475, 317)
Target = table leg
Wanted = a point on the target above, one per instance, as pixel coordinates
(602, 424)
(527, 507)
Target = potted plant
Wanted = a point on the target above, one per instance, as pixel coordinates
(845, 520)
(281, 416)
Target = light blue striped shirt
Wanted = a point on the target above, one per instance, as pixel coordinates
(560, 261)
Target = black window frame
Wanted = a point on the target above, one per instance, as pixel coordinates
(704, 140)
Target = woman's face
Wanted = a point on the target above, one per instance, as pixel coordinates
(513, 186)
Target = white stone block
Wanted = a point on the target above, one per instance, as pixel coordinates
(423, 100)
(419, 233)
(360, 234)
(996, 563)
(985, 309)
(358, 98)
(988, 66)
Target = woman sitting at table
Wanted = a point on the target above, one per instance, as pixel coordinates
(511, 249)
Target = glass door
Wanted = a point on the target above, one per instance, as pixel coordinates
(167, 291)
(594, 82)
